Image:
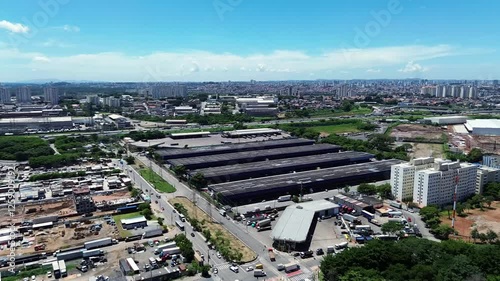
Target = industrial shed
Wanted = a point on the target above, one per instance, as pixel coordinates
(254, 190)
(251, 132)
(281, 166)
(134, 222)
(229, 148)
(294, 226)
(483, 127)
(189, 135)
(251, 156)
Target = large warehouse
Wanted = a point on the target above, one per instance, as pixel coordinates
(267, 188)
(483, 127)
(295, 226)
(251, 156)
(281, 166)
(240, 147)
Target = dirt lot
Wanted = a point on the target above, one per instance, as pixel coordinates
(427, 149)
(411, 131)
(115, 196)
(248, 254)
(60, 208)
(489, 144)
(489, 219)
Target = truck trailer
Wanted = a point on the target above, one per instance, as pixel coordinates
(100, 243)
(171, 251)
(62, 268)
(160, 248)
(93, 253)
(66, 256)
(264, 222)
(291, 267)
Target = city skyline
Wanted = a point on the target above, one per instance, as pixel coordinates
(242, 40)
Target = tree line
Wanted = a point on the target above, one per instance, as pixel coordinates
(23, 148)
(414, 259)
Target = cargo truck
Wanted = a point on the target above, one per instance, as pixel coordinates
(100, 243)
(350, 218)
(70, 255)
(264, 222)
(93, 253)
(160, 248)
(272, 255)
(284, 198)
(263, 228)
(55, 269)
(291, 267)
(62, 268)
(342, 245)
(171, 251)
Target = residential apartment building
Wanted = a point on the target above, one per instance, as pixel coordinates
(83, 201)
(403, 176)
(4, 95)
(492, 161)
(486, 175)
(168, 91)
(23, 95)
(51, 95)
(111, 101)
(436, 186)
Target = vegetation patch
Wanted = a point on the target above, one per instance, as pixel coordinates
(157, 181)
(23, 148)
(229, 246)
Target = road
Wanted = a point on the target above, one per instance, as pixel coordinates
(233, 227)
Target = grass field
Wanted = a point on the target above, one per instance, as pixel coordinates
(158, 182)
(123, 232)
(336, 129)
(234, 242)
(330, 113)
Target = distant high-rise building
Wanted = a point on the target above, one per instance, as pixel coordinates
(23, 95)
(166, 91)
(51, 95)
(455, 91)
(4, 95)
(495, 83)
(111, 101)
(290, 91)
(93, 99)
(472, 92)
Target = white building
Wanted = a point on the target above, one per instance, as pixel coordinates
(51, 95)
(183, 110)
(4, 95)
(436, 186)
(486, 175)
(446, 120)
(92, 99)
(23, 95)
(111, 101)
(483, 127)
(403, 176)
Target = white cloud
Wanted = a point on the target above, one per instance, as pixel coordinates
(412, 67)
(41, 59)
(70, 28)
(14, 27)
(196, 65)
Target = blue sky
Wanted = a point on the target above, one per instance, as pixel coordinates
(220, 40)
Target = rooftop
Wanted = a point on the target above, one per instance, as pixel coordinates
(267, 153)
(483, 123)
(284, 163)
(295, 179)
(134, 220)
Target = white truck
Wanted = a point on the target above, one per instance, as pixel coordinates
(93, 253)
(100, 243)
(160, 248)
(172, 251)
(284, 198)
(62, 268)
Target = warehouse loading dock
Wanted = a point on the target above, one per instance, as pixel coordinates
(254, 190)
(165, 154)
(251, 156)
(281, 166)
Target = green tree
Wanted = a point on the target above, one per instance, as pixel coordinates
(491, 235)
(393, 228)
(347, 189)
(368, 189)
(443, 231)
(488, 200)
(198, 181)
(179, 170)
(385, 191)
(160, 220)
(475, 155)
(474, 234)
(134, 192)
(130, 160)
(347, 105)
(429, 212)
(147, 213)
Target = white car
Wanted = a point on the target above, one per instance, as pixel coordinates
(49, 274)
(234, 268)
(249, 268)
(216, 271)
(33, 277)
(218, 255)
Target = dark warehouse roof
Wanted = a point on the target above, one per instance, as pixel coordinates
(292, 180)
(285, 164)
(254, 155)
(229, 148)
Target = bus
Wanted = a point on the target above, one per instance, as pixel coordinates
(182, 217)
(395, 204)
(180, 225)
(368, 215)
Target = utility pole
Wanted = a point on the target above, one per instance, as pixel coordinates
(455, 203)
